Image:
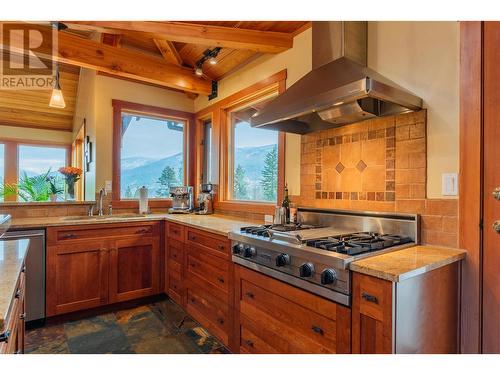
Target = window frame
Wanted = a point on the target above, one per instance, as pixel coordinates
(120, 106)
(11, 159)
(218, 113)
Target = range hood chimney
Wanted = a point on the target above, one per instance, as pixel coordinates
(339, 90)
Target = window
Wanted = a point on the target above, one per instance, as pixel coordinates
(152, 155)
(254, 159)
(207, 152)
(2, 167)
(35, 163)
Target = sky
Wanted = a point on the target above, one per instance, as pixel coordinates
(246, 136)
(37, 160)
(150, 138)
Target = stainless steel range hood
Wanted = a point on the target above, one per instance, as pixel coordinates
(339, 90)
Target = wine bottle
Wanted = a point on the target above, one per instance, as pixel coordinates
(286, 205)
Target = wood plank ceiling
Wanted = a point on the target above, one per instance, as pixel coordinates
(188, 40)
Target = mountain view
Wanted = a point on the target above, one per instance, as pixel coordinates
(137, 172)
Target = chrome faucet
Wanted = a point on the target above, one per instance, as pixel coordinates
(102, 194)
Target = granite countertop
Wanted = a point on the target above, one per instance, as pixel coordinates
(218, 224)
(403, 264)
(12, 255)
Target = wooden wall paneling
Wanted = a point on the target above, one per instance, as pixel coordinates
(491, 181)
(11, 164)
(471, 107)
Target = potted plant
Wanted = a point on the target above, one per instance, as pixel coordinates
(29, 188)
(54, 188)
(71, 175)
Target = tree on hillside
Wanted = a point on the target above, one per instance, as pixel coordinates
(166, 180)
(128, 192)
(269, 179)
(240, 187)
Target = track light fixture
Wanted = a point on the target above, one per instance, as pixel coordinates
(211, 56)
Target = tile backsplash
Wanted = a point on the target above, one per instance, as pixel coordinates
(376, 165)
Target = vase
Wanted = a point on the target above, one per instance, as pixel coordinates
(70, 191)
(53, 197)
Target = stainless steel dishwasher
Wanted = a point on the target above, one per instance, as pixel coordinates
(35, 273)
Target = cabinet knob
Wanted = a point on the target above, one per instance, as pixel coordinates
(220, 321)
(317, 330)
(369, 297)
(249, 343)
(22, 316)
(249, 294)
(221, 280)
(221, 247)
(18, 293)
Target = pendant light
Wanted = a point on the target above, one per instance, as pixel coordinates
(57, 99)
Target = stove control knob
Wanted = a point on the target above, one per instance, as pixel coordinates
(306, 270)
(249, 251)
(238, 248)
(282, 260)
(328, 276)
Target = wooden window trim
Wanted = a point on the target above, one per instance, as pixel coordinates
(120, 106)
(11, 158)
(217, 112)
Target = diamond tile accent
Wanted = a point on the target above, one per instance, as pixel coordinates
(339, 167)
(361, 166)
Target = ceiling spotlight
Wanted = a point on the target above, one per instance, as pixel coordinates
(198, 71)
(212, 61)
(209, 55)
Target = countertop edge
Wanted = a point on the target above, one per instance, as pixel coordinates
(396, 278)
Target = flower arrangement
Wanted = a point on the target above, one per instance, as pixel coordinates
(71, 175)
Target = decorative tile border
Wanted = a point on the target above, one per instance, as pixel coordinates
(389, 194)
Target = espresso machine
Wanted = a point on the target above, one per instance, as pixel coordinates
(205, 200)
(182, 199)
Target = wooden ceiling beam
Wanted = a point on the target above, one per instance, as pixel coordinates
(168, 51)
(90, 54)
(218, 36)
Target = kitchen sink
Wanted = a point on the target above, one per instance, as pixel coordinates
(105, 217)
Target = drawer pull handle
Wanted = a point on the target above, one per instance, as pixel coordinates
(249, 343)
(18, 293)
(369, 297)
(19, 352)
(22, 316)
(192, 265)
(193, 238)
(23, 269)
(220, 321)
(221, 280)
(142, 230)
(69, 235)
(4, 336)
(317, 330)
(220, 247)
(193, 300)
(249, 294)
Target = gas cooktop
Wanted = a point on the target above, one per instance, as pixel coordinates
(315, 254)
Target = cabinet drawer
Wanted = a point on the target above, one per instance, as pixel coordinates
(209, 311)
(175, 250)
(10, 346)
(209, 270)
(219, 244)
(175, 289)
(372, 296)
(175, 231)
(255, 342)
(68, 234)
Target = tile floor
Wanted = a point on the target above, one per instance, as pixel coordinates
(157, 328)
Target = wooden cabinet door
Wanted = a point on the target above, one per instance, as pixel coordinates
(134, 268)
(372, 318)
(77, 277)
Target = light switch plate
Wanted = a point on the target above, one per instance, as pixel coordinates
(449, 184)
(108, 186)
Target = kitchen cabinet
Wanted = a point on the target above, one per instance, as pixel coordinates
(417, 315)
(274, 317)
(12, 338)
(94, 265)
(199, 274)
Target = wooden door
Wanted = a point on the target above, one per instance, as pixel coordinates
(134, 268)
(491, 181)
(77, 277)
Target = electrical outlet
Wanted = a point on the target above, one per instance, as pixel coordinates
(108, 186)
(268, 218)
(449, 184)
